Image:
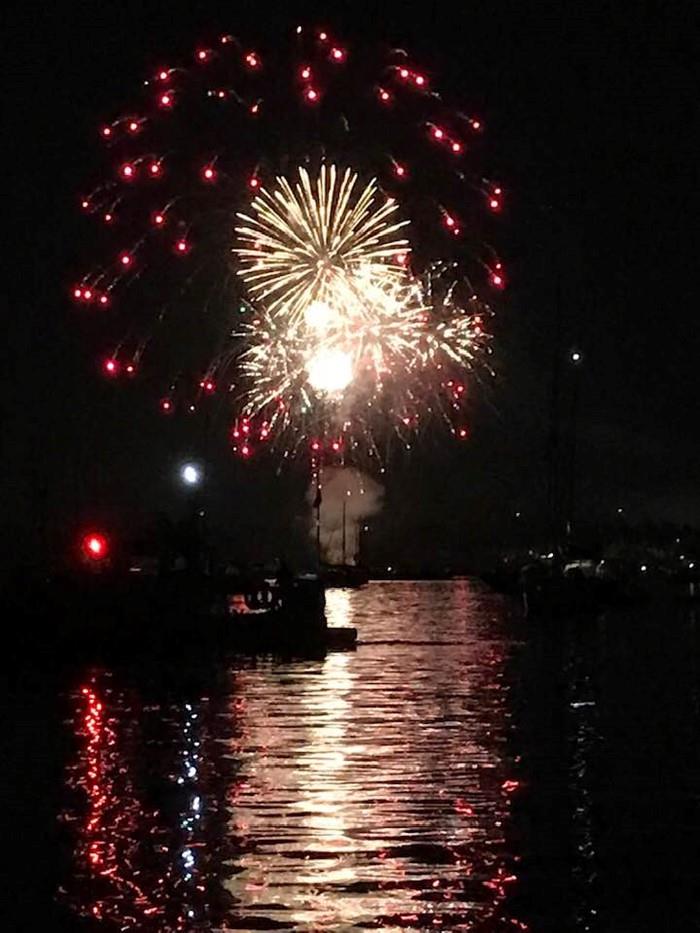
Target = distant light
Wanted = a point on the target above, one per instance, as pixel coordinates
(643, 568)
(111, 366)
(191, 474)
(95, 546)
(576, 356)
(209, 173)
(311, 95)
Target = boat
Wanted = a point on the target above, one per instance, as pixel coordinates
(106, 615)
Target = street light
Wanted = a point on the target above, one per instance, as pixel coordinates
(191, 474)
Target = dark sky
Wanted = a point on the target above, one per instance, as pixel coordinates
(590, 113)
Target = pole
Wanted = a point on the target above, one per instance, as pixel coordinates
(318, 519)
(344, 560)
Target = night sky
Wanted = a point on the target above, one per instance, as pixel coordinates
(589, 108)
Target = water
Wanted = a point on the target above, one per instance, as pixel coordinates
(463, 770)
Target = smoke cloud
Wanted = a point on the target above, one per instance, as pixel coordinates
(360, 495)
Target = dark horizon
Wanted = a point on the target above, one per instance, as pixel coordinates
(587, 116)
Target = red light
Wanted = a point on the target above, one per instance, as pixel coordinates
(104, 299)
(323, 36)
(254, 182)
(404, 72)
(106, 131)
(125, 259)
(158, 220)
(456, 147)
(400, 170)
(85, 204)
(202, 55)
(111, 367)
(420, 80)
(133, 126)
(494, 204)
(476, 124)
(498, 191)
(252, 60)
(108, 218)
(438, 133)
(166, 100)
(255, 108)
(95, 546)
(264, 434)
(311, 95)
(208, 173)
(155, 169)
(336, 445)
(182, 246)
(207, 385)
(338, 55)
(401, 258)
(315, 445)
(166, 405)
(87, 295)
(245, 450)
(462, 433)
(163, 75)
(497, 280)
(305, 73)
(384, 95)
(131, 369)
(449, 221)
(127, 171)
(77, 293)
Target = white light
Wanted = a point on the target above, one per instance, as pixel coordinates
(318, 315)
(191, 474)
(643, 568)
(330, 371)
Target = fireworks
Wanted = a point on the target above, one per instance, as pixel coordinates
(303, 249)
(306, 242)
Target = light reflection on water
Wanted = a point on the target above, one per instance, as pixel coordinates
(369, 789)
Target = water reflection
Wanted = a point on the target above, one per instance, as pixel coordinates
(370, 789)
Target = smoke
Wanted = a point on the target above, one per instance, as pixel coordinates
(361, 497)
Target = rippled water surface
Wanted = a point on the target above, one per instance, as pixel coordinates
(461, 770)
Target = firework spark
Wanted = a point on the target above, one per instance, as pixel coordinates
(306, 241)
(339, 340)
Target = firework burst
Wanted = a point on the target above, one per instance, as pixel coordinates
(305, 246)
